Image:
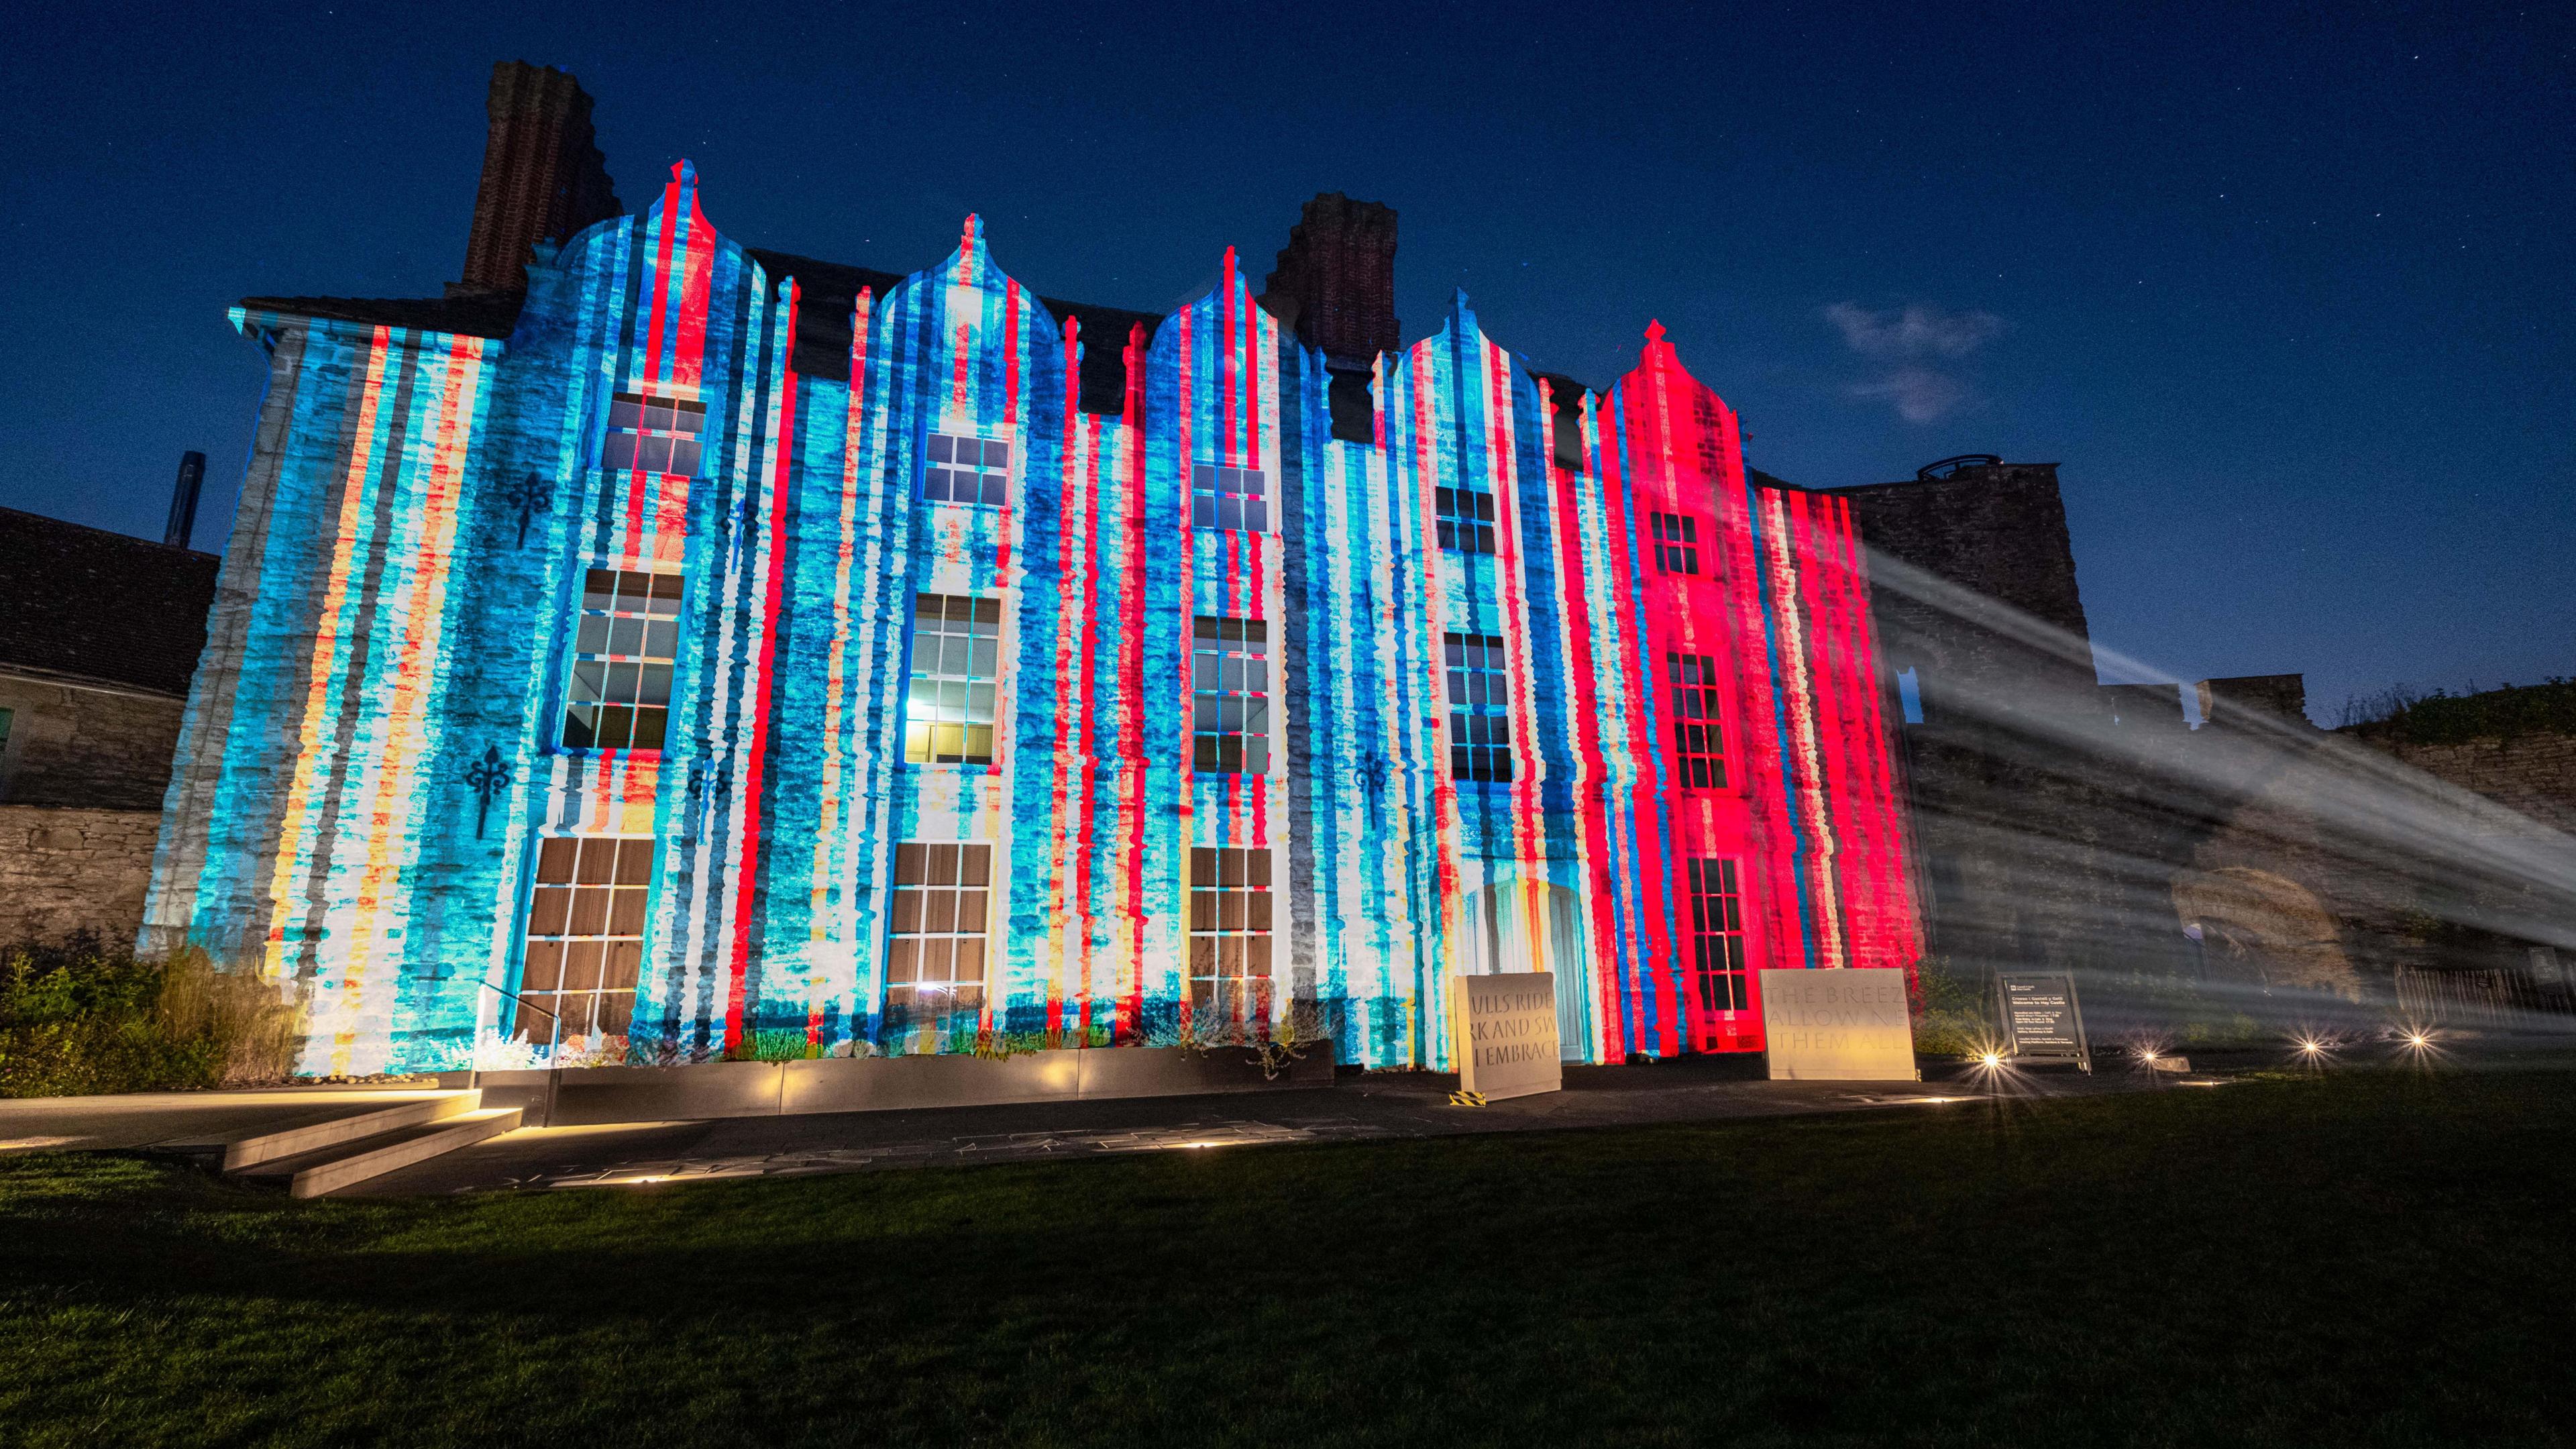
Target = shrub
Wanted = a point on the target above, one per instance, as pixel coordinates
(2401, 716)
(83, 1018)
(1952, 1020)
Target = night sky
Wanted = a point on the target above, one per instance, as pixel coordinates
(2287, 292)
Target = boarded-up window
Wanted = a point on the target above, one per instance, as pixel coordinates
(935, 952)
(585, 939)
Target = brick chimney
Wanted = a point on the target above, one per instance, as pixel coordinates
(1335, 281)
(543, 176)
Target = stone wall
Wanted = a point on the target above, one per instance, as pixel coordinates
(1973, 591)
(65, 871)
(2534, 774)
(2379, 841)
(83, 745)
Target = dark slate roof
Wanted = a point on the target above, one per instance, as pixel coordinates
(104, 606)
(826, 291)
(471, 314)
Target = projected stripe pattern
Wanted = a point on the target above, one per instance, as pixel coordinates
(374, 760)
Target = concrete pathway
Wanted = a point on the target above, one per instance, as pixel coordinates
(1361, 1106)
(1381, 1105)
(177, 1119)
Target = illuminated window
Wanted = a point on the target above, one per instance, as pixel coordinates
(1676, 543)
(1230, 697)
(585, 935)
(1480, 732)
(967, 470)
(1466, 519)
(935, 955)
(956, 652)
(621, 670)
(1223, 497)
(1717, 936)
(1229, 934)
(1699, 745)
(656, 434)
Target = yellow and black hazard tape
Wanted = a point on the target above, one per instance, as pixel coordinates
(1463, 1098)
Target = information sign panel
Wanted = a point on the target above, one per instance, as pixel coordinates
(1847, 1025)
(2041, 1020)
(1504, 1034)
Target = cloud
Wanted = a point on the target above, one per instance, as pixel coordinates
(1913, 331)
(1920, 394)
(1904, 338)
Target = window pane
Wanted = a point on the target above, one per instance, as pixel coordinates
(936, 954)
(581, 966)
(546, 912)
(544, 968)
(555, 858)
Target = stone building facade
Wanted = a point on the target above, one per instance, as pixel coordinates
(99, 636)
(709, 651)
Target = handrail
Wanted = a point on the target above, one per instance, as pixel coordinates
(554, 1050)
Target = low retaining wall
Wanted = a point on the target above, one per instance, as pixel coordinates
(593, 1096)
(65, 871)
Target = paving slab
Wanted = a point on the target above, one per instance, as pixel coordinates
(1361, 1107)
(173, 1119)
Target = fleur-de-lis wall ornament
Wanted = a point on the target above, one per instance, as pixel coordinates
(488, 777)
(531, 495)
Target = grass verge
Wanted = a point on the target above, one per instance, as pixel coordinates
(2355, 1260)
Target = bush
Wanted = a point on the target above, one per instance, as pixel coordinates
(1952, 1020)
(83, 1018)
(2399, 715)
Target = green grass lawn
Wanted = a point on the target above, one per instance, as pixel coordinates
(2365, 1259)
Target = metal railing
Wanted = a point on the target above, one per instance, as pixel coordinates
(554, 1051)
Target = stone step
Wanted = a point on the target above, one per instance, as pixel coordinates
(329, 1169)
(250, 1152)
